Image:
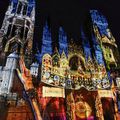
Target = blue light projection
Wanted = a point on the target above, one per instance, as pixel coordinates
(99, 20)
(101, 23)
(46, 43)
(14, 3)
(46, 40)
(38, 56)
(63, 44)
(86, 45)
(98, 51)
(31, 5)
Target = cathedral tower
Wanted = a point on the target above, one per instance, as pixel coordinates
(17, 28)
(105, 39)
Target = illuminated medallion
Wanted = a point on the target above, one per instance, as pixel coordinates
(56, 79)
(47, 75)
(82, 110)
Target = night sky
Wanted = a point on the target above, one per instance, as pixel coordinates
(71, 14)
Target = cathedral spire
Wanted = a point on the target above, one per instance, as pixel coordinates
(63, 55)
(86, 45)
(46, 40)
(99, 20)
(56, 58)
(63, 44)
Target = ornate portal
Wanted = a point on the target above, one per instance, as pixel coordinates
(73, 72)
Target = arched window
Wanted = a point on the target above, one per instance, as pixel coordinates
(19, 8)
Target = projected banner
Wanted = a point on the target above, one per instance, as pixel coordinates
(105, 93)
(53, 92)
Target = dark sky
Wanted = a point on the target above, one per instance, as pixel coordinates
(72, 13)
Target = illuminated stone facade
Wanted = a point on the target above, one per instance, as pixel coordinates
(81, 68)
(105, 39)
(17, 32)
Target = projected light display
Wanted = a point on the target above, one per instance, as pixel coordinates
(66, 79)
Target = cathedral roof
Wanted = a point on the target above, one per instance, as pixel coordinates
(35, 64)
(13, 55)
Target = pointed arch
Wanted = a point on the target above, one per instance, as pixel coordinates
(12, 41)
